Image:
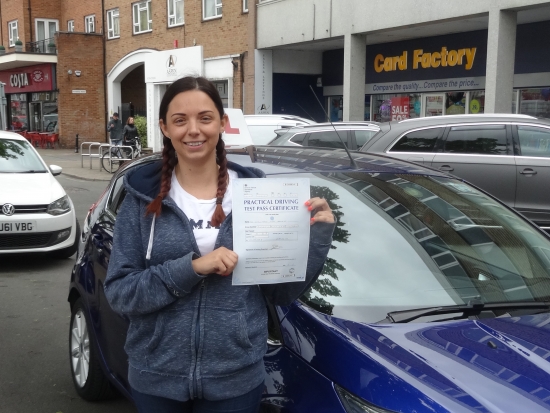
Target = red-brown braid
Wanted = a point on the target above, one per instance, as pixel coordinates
(221, 160)
(169, 161)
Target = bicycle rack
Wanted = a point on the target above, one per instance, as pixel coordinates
(90, 154)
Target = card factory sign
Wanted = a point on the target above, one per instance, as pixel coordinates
(461, 57)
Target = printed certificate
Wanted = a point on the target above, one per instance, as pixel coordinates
(270, 230)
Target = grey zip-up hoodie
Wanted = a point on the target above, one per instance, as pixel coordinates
(190, 336)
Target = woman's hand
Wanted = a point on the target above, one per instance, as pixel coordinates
(220, 261)
(321, 210)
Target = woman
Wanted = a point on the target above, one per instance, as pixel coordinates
(195, 342)
(129, 134)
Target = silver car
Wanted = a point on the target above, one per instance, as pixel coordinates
(506, 155)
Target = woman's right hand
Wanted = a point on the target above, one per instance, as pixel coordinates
(221, 261)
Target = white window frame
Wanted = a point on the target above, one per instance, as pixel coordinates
(173, 17)
(89, 23)
(113, 15)
(13, 31)
(70, 25)
(46, 24)
(245, 6)
(217, 9)
(136, 23)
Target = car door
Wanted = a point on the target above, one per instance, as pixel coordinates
(481, 154)
(328, 139)
(416, 145)
(533, 172)
(113, 327)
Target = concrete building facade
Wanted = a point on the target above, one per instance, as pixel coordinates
(382, 60)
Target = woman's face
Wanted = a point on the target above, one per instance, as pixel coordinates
(193, 124)
(130, 121)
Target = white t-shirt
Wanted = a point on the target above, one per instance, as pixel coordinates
(200, 211)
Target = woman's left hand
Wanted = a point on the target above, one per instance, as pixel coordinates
(321, 210)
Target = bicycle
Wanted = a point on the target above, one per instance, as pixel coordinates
(117, 155)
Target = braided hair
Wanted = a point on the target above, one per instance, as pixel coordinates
(169, 158)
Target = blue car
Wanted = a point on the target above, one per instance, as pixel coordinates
(435, 296)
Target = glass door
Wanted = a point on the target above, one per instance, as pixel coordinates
(35, 116)
(433, 104)
(45, 30)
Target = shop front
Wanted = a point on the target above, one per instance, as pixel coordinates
(31, 95)
(442, 75)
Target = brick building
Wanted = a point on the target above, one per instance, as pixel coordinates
(101, 52)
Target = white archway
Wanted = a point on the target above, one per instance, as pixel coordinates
(119, 72)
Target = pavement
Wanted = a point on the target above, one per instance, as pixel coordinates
(75, 165)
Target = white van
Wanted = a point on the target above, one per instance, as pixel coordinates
(262, 127)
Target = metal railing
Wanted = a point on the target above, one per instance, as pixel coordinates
(90, 154)
(41, 46)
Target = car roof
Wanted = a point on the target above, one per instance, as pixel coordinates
(332, 126)
(275, 118)
(283, 160)
(450, 119)
(11, 135)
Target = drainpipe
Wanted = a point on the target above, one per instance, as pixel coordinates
(105, 101)
(30, 20)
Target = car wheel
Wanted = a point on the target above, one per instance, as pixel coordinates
(88, 378)
(69, 251)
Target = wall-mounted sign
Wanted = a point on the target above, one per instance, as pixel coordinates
(169, 65)
(79, 91)
(421, 86)
(263, 81)
(461, 57)
(37, 78)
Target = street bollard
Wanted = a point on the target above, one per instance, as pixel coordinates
(76, 144)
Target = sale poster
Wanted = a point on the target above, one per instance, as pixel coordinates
(400, 108)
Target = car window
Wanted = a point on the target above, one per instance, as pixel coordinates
(534, 141)
(418, 141)
(17, 156)
(262, 134)
(298, 138)
(363, 136)
(411, 241)
(117, 196)
(484, 140)
(327, 139)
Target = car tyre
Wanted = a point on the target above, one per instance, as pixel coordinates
(88, 378)
(69, 251)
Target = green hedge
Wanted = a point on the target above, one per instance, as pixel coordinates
(141, 125)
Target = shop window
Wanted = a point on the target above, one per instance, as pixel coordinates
(70, 26)
(335, 108)
(396, 107)
(477, 102)
(418, 141)
(142, 17)
(211, 9)
(455, 103)
(534, 141)
(18, 111)
(535, 102)
(113, 25)
(175, 13)
(482, 140)
(13, 33)
(89, 24)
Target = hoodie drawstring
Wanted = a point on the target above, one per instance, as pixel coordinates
(151, 235)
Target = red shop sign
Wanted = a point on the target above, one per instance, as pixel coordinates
(37, 78)
(400, 108)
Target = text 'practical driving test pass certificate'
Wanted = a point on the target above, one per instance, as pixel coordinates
(270, 230)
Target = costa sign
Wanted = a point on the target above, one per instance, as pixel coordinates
(38, 78)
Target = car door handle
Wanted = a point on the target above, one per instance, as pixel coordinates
(528, 171)
(446, 168)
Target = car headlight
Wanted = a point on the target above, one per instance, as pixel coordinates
(61, 206)
(354, 404)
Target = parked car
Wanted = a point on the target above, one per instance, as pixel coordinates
(327, 135)
(262, 127)
(435, 296)
(36, 215)
(506, 155)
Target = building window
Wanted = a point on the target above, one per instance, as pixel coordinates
(113, 27)
(245, 6)
(13, 32)
(70, 26)
(142, 17)
(175, 13)
(89, 24)
(211, 9)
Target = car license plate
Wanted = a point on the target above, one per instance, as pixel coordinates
(15, 227)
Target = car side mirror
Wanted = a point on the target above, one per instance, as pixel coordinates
(56, 170)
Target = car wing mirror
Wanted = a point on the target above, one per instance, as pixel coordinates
(56, 170)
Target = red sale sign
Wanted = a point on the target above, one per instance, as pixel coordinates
(400, 108)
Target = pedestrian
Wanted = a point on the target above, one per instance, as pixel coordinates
(129, 134)
(114, 127)
(195, 342)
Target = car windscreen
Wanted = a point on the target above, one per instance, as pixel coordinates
(413, 241)
(17, 156)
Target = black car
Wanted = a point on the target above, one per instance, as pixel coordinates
(427, 278)
(506, 155)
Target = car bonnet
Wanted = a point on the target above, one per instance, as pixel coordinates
(30, 189)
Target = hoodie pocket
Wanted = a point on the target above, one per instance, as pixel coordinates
(157, 334)
(226, 346)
